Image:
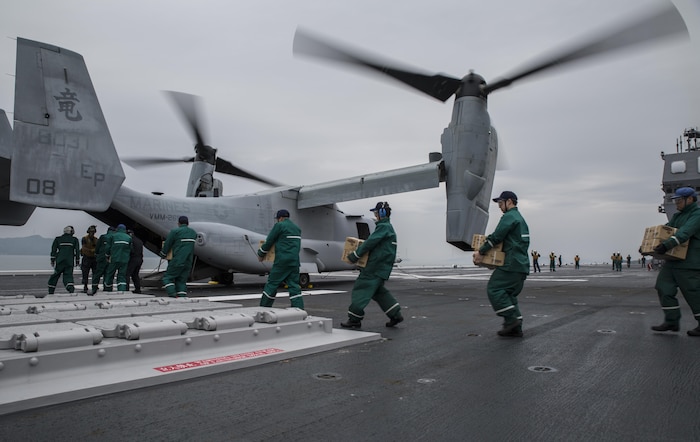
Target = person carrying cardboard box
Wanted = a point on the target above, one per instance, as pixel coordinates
(285, 236)
(381, 247)
(681, 274)
(507, 281)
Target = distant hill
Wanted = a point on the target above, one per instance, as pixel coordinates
(28, 245)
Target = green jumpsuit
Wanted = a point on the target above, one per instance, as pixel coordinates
(286, 237)
(683, 274)
(117, 253)
(180, 241)
(381, 246)
(507, 281)
(65, 253)
(101, 259)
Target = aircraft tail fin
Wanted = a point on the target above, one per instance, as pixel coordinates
(63, 155)
(11, 213)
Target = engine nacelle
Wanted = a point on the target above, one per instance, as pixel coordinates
(469, 149)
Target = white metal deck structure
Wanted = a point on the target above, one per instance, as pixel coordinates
(67, 347)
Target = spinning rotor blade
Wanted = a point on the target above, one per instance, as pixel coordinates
(137, 162)
(664, 23)
(437, 86)
(223, 166)
(187, 105)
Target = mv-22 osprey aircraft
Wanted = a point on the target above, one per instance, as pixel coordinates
(60, 154)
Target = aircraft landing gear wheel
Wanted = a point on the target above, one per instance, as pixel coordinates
(224, 278)
(304, 280)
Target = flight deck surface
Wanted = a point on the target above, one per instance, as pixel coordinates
(588, 368)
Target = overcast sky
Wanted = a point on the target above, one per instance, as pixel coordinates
(582, 143)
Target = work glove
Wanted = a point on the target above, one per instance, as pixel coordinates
(352, 258)
(53, 262)
(660, 249)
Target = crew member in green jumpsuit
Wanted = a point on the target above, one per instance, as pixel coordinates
(65, 252)
(381, 246)
(117, 254)
(507, 281)
(101, 260)
(180, 241)
(681, 274)
(286, 237)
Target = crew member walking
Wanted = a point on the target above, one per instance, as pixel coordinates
(381, 246)
(285, 236)
(507, 281)
(181, 242)
(681, 274)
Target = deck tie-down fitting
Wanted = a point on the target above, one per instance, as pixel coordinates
(223, 322)
(147, 330)
(130, 303)
(58, 307)
(278, 316)
(52, 340)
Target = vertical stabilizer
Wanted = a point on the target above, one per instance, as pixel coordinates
(11, 213)
(63, 154)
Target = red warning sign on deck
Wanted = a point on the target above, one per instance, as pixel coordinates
(218, 360)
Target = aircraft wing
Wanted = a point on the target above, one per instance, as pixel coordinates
(407, 179)
(11, 213)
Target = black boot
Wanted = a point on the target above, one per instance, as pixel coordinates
(694, 332)
(666, 326)
(395, 320)
(512, 329)
(355, 325)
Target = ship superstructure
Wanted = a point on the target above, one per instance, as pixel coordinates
(681, 168)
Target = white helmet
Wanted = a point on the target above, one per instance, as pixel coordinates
(68, 230)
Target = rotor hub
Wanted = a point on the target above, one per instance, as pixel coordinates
(472, 86)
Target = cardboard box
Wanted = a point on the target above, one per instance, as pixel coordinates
(351, 244)
(494, 257)
(170, 253)
(661, 232)
(479, 240)
(270, 257)
(655, 235)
